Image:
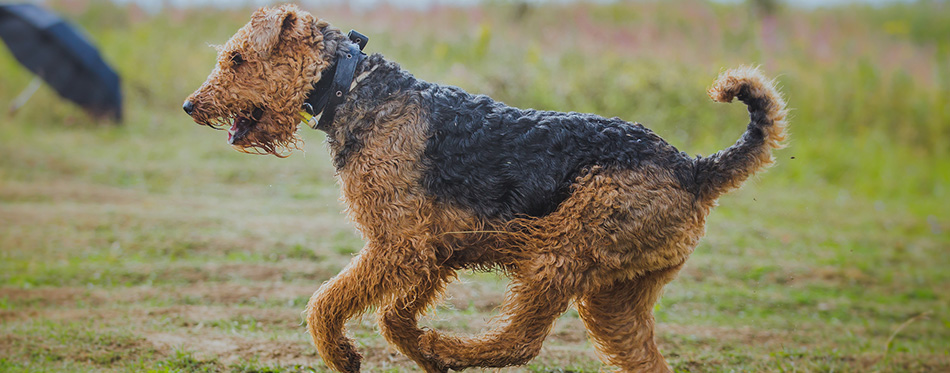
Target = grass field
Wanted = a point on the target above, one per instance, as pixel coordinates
(153, 246)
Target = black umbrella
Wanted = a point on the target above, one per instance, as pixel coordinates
(58, 53)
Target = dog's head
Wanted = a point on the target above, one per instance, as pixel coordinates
(261, 79)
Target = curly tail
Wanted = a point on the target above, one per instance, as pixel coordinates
(727, 169)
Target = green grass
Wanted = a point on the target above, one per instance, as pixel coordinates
(154, 247)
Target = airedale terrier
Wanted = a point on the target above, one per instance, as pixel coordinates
(573, 207)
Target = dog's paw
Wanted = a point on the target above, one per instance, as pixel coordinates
(352, 362)
(426, 341)
(343, 357)
(432, 347)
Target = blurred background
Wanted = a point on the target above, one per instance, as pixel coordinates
(150, 245)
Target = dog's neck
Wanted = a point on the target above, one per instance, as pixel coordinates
(383, 88)
(338, 79)
(376, 83)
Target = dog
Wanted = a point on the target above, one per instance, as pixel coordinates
(574, 208)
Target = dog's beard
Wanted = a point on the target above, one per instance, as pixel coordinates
(272, 134)
(259, 131)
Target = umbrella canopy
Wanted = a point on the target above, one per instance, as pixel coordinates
(61, 56)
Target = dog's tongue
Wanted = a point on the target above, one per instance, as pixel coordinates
(231, 131)
(234, 128)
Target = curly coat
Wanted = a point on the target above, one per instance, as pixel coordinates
(575, 208)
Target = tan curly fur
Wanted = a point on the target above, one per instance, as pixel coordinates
(229, 92)
(617, 237)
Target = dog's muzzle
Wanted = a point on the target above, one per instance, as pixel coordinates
(188, 107)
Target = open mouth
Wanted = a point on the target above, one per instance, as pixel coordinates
(242, 125)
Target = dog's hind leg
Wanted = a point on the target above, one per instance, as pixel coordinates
(556, 254)
(619, 318)
(398, 320)
(376, 273)
(527, 316)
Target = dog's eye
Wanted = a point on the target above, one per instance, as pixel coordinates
(237, 60)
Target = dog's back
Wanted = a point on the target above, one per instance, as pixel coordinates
(502, 162)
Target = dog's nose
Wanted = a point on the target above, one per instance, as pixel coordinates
(188, 107)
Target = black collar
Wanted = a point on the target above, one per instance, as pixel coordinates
(334, 84)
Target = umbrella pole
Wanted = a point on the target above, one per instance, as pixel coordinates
(24, 96)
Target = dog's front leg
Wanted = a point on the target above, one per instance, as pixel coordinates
(363, 283)
(398, 320)
(330, 307)
(377, 273)
(528, 314)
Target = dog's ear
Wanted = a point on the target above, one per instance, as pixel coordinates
(267, 26)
